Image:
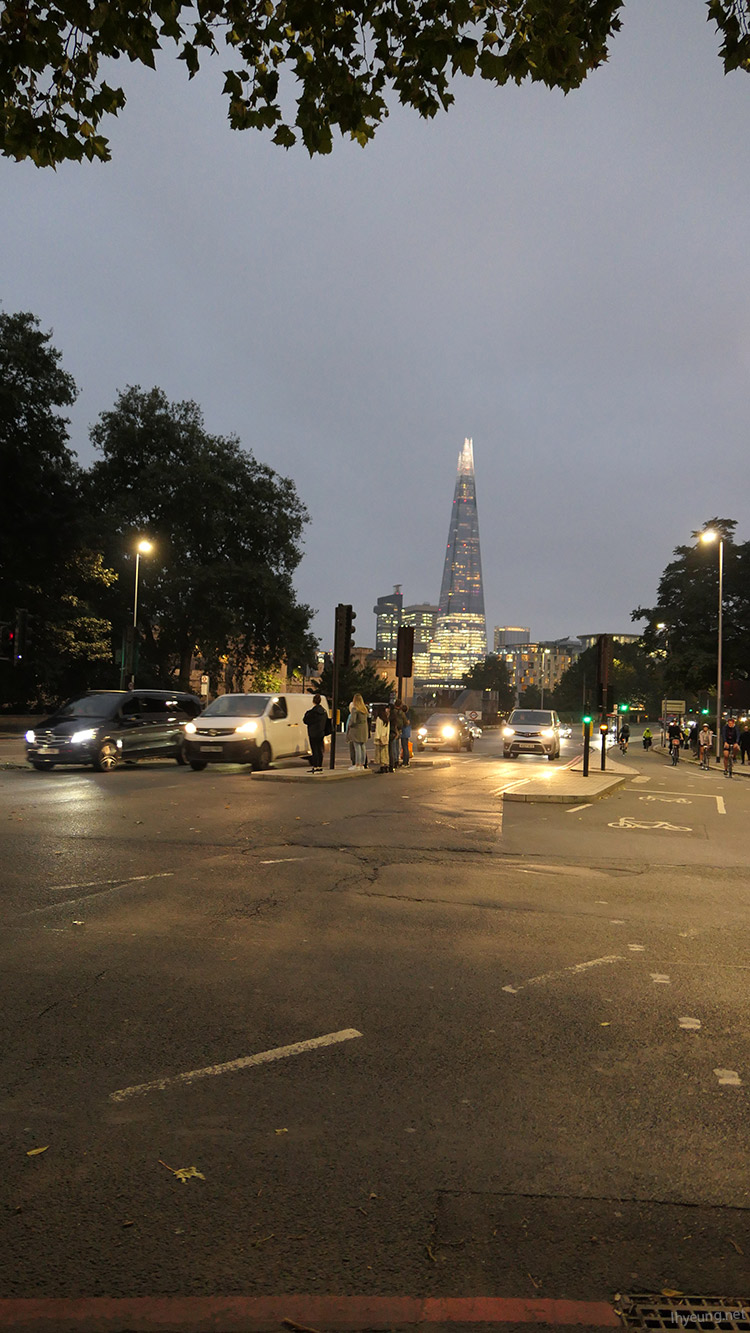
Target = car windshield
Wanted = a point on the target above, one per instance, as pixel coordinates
(237, 705)
(438, 718)
(528, 716)
(91, 705)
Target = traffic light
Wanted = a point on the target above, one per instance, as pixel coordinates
(624, 708)
(587, 719)
(605, 698)
(704, 712)
(405, 651)
(344, 643)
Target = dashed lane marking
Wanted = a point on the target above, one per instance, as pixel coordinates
(689, 1024)
(728, 1078)
(575, 809)
(566, 971)
(245, 1062)
(102, 885)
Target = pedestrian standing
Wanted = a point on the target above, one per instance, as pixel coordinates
(395, 737)
(405, 736)
(745, 742)
(382, 738)
(357, 729)
(318, 724)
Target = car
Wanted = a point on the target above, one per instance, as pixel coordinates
(445, 731)
(104, 728)
(532, 731)
(249, 729)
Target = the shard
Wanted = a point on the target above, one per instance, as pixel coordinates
(461, 632)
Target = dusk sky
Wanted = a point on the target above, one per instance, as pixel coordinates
(564, 279)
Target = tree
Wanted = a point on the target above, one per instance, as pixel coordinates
(682, 630)
(341, 60)
(225, 530)
(491, 674)
(636, 678)
(353, 679)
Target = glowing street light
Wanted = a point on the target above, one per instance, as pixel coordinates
(711, 535)
(144, 547)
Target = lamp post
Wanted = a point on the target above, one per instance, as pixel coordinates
(144, 547)
(711, 535)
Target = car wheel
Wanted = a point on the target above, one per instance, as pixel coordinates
(181, 755)
(264, 757)
(198, 765)
(42, 765)
(106, 758)
(551, 756)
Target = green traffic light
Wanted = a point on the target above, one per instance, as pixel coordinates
(587, 718)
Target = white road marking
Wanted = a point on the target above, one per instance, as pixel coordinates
(509, 786)
(637, 948)
(575, 808)
(616, 921)
(553, 976)
(245, 1062)
(668, 800)
(96, 883)
(689, 1024)
(660, 979)
(641, 779)
(282, 860)
(705, 795)
(627, 822)
(728, 1078)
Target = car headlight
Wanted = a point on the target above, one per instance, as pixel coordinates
(509, 731)
(548, 733)
(448, 731)
(79, 736)
(247, 728)
(422, 731)
(190, 728)
(31, 737)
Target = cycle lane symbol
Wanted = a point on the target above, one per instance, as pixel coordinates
(628, 822)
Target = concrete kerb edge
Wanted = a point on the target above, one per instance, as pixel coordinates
(566, 798)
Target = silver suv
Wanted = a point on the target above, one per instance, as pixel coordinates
(532, 731)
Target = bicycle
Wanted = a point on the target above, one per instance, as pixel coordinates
(675, 753)
(624, 744)
(705, 757)
(729, 760)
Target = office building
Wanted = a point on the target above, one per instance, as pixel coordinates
(388, 612)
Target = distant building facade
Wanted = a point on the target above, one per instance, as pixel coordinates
(388, 611)
(507, 636)
(422, 616)
(539, 665)
(589, 640)
(460, 637)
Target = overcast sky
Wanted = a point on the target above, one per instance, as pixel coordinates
(565, 279)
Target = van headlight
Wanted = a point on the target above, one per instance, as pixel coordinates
(509, 731)
(79, 736)
(448, 732)
(31, 737)
(246, 729)
(422, 731)
(190, 728)
(548, 733)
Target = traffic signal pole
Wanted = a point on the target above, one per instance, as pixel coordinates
(342, 652)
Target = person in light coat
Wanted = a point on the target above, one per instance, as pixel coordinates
(357, 730)
(382, 738)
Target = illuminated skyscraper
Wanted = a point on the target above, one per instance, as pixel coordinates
(461, 632)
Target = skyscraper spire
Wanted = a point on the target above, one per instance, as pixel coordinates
(461, 633)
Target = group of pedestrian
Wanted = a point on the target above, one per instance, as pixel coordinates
(392, 735)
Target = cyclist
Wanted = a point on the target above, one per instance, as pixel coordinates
(730, 741)
(705, 741)
(624, 736)
(674, 733)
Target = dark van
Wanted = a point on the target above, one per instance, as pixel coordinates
(107, 727)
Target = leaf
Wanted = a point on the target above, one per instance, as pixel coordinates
(670, 1291)
(186, 1173)
(34, 1152)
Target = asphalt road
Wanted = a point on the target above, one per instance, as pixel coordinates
(538, 1086)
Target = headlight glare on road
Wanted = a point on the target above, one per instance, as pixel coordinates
(190, 728)
(79, 736)
(509, 731)
(448, 731)
(31, 737)
(247, 728)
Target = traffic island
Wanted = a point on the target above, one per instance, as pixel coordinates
(337, 774)
(567, 785)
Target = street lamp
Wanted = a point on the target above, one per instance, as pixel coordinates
(711, 535)
(144, 547)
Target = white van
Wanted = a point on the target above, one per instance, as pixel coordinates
(249, 729)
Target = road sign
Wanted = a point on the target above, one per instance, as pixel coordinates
(473, 715)
(674, 705)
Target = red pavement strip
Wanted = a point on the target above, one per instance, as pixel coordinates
(263, 1314)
